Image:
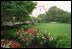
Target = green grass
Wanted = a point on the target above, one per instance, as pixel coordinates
(56, 30)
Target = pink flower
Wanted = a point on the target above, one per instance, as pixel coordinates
(19, 32)
(32, 31)
(3, 42)
(27, 39)
(15, 44)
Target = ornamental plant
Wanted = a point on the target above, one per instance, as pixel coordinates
(30, 38)
(6, 43)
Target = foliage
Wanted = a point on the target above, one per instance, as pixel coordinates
(62, 42)
(55, 14)
(19, 9)
(61, 33)
(50, 36)
(8, 34)
(32, 37)
(6, 43)
(41, 18)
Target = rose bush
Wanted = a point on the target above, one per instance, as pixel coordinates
(6, 43)
(30, 38)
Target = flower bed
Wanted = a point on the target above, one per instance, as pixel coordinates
(6, 43)
(30, 38)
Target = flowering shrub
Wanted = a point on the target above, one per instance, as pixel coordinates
(32, 31)
(30, 38)
(5, 43)
(27, 39)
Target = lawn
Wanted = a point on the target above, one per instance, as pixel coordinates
(57, 29)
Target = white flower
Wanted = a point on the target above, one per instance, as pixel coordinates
(37, 34)
(17, 32)
(48, 33)
(7, 46)
(43, 37)
(10, 42)
(51, 38)
(2, 40)
(1, 45)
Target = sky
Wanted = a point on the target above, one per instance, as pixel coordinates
(43, 6)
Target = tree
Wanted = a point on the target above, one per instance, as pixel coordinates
(55, 14)
(41, 18)
(19, 9)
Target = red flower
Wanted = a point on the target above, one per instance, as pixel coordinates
(31, 31)
(27, 39)
(35, 33)
(15, 44)
(2, 42)
(19, 32)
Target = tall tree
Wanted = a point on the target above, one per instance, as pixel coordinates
(18, 9)
(55, 14)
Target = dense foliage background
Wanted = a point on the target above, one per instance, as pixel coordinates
(21, 10)
(55, 14)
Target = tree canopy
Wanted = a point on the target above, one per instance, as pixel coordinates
(55, 14)
(21, 10)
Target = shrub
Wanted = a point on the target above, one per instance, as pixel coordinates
(62, 42)
(9, 34)
(32, 38)
(6, 43)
